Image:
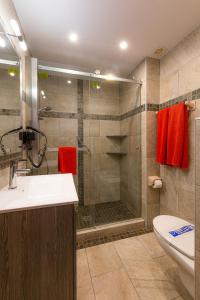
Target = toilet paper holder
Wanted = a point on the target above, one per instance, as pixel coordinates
(155, 182)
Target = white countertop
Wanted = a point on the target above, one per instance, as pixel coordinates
(39, 191)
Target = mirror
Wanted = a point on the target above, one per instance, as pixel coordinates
(9, 97)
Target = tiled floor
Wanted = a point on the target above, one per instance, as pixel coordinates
(102, 213)
(135, 268)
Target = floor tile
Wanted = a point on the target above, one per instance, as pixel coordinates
(168, 266)
(151, 244)
(103, 259)
(161, 284)
(132, 248)
(156, 294)
(83, 274)
(85, 293)
(114, 286)
(148, 270)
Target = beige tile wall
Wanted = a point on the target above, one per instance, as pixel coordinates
(61, 96)
(180, 74)
(130, 165)
(197, 212)
(9, 90)
(148, 71)
(101, 171)
(9, 99)
(102, 101)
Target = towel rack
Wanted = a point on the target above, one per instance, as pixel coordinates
(191, 105)
(55, 149)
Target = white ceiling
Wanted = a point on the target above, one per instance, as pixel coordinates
(101, 24)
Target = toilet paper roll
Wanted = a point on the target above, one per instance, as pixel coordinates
(157, 184)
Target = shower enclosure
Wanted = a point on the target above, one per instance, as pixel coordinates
(100, 117)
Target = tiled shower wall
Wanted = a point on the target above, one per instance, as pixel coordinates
(101, 171)
(9, 116)
(106, 177)
(180, 75)
(60, 130)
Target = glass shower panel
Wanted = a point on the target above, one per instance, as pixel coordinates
(130, 164)
(112, 133)
(61, 118)
(102, 119)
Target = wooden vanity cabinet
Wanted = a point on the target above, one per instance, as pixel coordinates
(37, 254)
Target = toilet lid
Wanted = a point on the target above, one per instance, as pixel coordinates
(177, 232)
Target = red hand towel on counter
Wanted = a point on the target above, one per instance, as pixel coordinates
(162, 131)
(67, 160)
(177, 141)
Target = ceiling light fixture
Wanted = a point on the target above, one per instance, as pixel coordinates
(18, 34)
(73, 37)
(69, 81)
(109, 77)
(12, 74)
(2, 43)
(23, 45)
(123, 45)
(97, 72)
(15, 27)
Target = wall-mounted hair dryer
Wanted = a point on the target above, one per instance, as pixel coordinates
(27, 137)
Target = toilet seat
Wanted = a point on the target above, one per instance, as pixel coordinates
(183, 241)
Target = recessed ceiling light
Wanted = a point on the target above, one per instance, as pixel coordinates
(42, 93)
(73, 37)
(69, 81)
(15, 27)
(123, 45)
(2, 43)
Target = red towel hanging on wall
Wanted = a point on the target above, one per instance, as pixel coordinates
(67, 160)
(162, 130)
(177, 140)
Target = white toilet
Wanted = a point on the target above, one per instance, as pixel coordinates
(176, 236)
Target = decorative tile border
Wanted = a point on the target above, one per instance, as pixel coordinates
(111, 237)
(189, 96)
(85, 116)
(80, 107)
(9, 112)
(194, 95)
(133, 112)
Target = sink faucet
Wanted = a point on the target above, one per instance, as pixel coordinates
(14, 171)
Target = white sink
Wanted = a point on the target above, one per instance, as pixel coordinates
(39, 191)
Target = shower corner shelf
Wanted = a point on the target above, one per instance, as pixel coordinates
(117, 136)
(117, 153)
